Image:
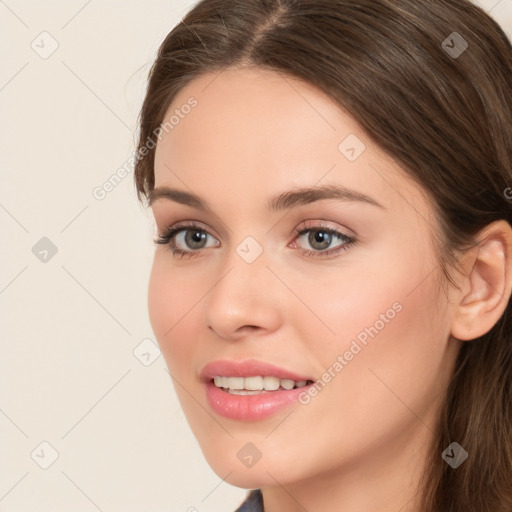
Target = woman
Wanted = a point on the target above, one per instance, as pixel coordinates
(330, 181)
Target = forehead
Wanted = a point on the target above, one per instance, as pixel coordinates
(250, 114)
(258, 130)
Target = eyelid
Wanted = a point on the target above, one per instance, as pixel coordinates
(185, 224)
(322, 224)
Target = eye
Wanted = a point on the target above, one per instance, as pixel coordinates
(185, 239)
(321, 237)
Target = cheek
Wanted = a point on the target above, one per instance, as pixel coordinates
(387, 326)
(171, 301)
(372, 295)
(162, 300)
(392, 340)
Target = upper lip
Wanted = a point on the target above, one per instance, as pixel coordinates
(247, 368)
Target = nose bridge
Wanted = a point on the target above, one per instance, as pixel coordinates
(244, 294)
(246, 264)
(245, 274)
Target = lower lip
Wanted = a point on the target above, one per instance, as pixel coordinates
(251, 407)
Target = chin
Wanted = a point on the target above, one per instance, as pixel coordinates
(248, 474)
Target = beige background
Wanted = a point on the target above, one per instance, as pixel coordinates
(79, 368)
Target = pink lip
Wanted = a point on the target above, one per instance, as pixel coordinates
(249, 407)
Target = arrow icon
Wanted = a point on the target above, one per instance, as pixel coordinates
(249, 455)
(454, 455)
(249, 253)
(45, 45)
(44, 455)
(146, 352)
(455, 45)
(351, 147)
(44, 250)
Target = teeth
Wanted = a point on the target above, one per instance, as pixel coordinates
(250, 383)
(233, 382)
(271, 383)
(287, 383)
(253, 385)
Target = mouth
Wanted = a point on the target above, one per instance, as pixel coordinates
(251, 390)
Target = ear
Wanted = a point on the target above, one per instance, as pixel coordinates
(487, 283)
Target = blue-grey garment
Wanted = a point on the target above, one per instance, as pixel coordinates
(253, 502)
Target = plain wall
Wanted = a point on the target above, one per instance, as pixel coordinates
(72, 323)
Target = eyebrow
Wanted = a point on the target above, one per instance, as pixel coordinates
(283, 201)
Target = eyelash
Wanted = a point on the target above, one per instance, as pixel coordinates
(167, 238)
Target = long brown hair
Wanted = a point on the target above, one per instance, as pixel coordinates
(430, 83)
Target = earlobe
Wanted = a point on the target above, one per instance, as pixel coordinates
(486, 287)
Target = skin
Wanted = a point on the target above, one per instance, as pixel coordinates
(361, 443)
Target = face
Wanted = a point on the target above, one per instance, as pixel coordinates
(339, 287)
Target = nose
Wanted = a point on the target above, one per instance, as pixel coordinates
(247, 301)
